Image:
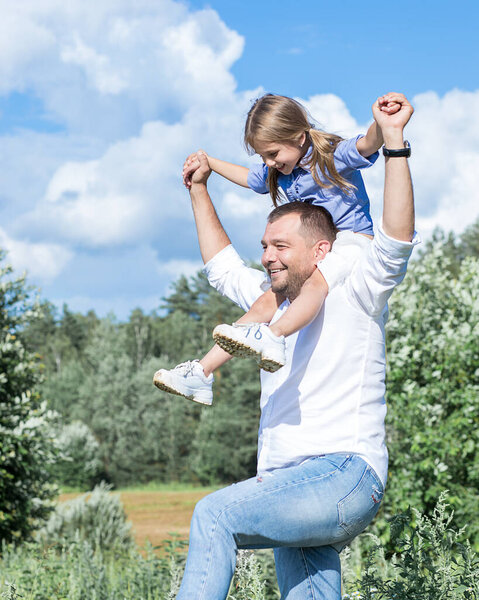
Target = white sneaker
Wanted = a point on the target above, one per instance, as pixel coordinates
(252, 340)
(186, 379)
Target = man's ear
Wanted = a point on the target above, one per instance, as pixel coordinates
(321, 248)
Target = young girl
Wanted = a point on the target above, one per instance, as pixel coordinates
(303, 164)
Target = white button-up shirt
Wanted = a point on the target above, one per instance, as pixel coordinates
(329, 396)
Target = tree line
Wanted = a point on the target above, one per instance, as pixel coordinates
(77, 403)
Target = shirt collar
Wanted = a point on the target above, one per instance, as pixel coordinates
(303, 162)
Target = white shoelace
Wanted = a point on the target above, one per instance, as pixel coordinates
(186, 368)
(257, 334)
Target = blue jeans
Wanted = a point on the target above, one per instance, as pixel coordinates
(307, 513)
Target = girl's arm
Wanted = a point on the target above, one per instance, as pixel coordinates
(373, 140)
(234, 173)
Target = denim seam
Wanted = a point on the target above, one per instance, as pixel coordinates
(354, 492)
(243, 500)
(310, 584)
(278, 487)
(210, 552)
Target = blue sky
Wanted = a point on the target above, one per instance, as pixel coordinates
(354, 49)
(100, 103)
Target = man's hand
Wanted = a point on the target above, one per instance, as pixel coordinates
(196, 169)
(392, 112)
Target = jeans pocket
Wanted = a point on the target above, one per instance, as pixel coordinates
(358, 508)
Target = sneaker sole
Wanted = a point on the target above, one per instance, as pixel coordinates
(161, 385)
(241, 350)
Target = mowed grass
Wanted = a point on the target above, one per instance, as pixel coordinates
(158, 511)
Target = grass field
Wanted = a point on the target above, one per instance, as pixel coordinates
(157, 513)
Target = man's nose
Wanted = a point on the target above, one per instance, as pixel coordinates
(268, 256)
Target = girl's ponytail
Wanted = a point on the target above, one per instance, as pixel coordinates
(322, 157)
(281, 119)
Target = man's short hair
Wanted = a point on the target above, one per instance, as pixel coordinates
(316, 221)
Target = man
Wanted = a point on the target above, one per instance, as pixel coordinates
(322, 459)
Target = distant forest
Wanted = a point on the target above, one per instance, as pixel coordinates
(112, 424)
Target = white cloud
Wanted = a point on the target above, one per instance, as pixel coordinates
(105, 68)
(42, 261)
(331, 113)
(247, 205)
(175, 268)
(97, 67)
(138, 86)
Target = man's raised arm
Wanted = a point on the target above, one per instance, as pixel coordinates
(211, 235)
(398, 211)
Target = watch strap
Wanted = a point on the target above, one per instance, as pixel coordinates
(406, 151)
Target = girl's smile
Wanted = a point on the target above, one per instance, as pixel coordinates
(283, 156)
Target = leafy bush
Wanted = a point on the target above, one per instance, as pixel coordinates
(79, 463)
(79, 572)
(26, 448)
(433, 388)
(96, 517)
(430, 562)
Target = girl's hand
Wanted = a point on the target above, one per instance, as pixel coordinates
(392, 111)
(192, 163)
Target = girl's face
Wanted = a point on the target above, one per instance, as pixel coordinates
(282, 156)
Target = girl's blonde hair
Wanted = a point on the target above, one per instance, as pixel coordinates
(281, 119)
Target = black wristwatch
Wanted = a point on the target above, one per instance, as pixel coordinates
(406, 151)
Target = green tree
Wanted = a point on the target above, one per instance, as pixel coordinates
(26, 449)
(433, 387)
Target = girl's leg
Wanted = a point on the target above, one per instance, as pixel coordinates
(261, 311)
(194, 379)
(304, 308)
(266, 343)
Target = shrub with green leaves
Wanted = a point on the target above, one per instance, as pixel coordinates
(97, 517)
(433, 388)
(79, 464)
(26, 446)
(431, 563)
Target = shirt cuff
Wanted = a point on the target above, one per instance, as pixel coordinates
(257, 177)
(395, 248)
(368, 160)
(226, 258)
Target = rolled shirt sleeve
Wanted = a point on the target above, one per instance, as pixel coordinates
(347, 156)
(381, 268)
(230, 276)
(257, 178)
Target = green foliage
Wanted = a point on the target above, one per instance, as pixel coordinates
(26, 449)
(430, 564)
(80, 571)
(96, 517)
(99, 371)
(102, 376)
(248, 583)
(433, 388)
(79, 465)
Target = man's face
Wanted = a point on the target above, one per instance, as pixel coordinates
(288, 257)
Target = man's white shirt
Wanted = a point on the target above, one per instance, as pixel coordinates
(329, 397)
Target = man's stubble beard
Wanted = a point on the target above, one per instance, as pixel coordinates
(292, 286)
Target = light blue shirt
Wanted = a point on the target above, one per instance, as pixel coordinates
(349, 211)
